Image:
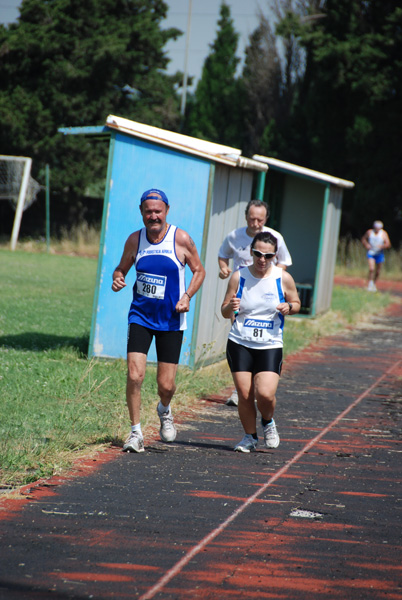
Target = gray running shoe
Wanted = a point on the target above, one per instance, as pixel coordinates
(168, 430)
(247, 444)
(134, 443)
(271, 435)
(233, 400)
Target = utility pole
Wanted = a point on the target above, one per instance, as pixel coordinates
(185, 73)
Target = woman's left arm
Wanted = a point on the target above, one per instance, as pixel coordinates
(292, 303)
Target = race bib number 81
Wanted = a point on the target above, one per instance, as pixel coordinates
(257, 330)
(152, 286)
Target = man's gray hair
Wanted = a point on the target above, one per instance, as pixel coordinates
(257, 203)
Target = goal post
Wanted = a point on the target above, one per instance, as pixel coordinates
(17, 185)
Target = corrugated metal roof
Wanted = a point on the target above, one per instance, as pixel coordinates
(303, 171)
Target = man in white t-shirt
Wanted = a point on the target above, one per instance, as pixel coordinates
(236, 247)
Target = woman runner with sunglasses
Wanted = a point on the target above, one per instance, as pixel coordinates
(259, 296)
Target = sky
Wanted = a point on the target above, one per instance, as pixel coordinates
(203, 27)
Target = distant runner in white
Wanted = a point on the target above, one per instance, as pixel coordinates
(375, 240)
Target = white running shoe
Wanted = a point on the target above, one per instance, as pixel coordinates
(134, 443)
(168, 430)
(271, 435)
(247, 444)
(371, 286)
(233, 400)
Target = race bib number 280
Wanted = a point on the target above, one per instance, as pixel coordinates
(257, 330)
(152, 286)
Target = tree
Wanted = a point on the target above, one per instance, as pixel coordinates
(70, 63)
(271, 79)
(350, 105)
(214, 110)
(292, 17)
(261, 81)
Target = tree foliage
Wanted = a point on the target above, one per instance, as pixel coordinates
(71, 63)
(214, 110)
(339, 103)
(262, 82)
(350, 102)
(320, 87)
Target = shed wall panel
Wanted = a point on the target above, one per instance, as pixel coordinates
(231, 193)
(326, 273)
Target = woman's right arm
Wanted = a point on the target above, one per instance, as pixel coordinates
(230, 303)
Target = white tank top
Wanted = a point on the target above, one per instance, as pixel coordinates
(258, 324)
(376, 241)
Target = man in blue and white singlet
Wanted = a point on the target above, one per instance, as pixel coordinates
(258, 297)
(160, 253)
(375, 240)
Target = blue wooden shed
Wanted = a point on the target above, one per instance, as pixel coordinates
(208, 186)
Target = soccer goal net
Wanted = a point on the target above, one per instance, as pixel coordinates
(18, 187)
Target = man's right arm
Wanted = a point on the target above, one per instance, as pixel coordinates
(224, 270)
(126, 262)
(365, 241)
(225, 252)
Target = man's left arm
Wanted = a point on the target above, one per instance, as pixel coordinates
(187, 251)
(387, 241)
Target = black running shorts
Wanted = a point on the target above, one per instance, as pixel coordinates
(168, 343)
(251, 360)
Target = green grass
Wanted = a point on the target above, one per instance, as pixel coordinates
(55, 404)
(79, 240)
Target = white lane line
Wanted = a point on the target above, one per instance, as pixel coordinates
(211, 536)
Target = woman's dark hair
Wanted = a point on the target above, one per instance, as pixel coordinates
(267, 238)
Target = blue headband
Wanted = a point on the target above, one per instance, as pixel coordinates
(154, 194)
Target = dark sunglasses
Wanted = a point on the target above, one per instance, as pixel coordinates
(259, 254)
